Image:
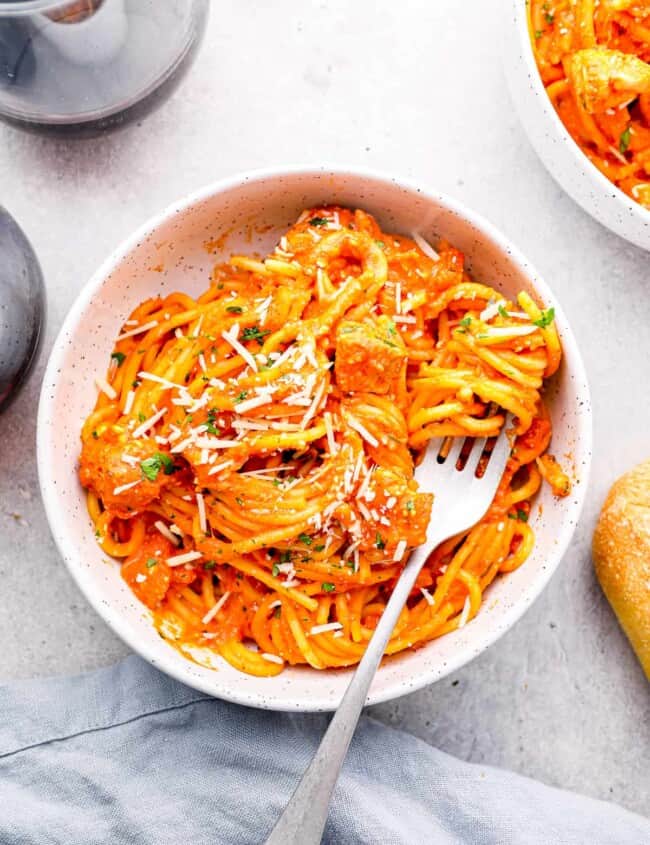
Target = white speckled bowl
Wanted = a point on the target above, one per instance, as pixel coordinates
(175, 239)
(564, 160)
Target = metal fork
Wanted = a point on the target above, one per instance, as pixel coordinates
(461, 499)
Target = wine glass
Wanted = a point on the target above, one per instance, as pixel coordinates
(79, 67)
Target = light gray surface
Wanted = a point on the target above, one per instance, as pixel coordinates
(415, 88)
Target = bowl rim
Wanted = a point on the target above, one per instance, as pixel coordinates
(175, 664)
(605, 185)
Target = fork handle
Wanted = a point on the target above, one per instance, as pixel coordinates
(304, 817)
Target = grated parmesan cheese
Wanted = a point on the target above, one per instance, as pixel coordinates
(180, 447)
(143, 375)
(128, 402)
(105, 387)
(314, 405)
(143, 328)
(186, 557)
(425, 246)
(124, 487)
(147, 424)
(427, 595)
(249, 404)
(323, 629)
(165, 531)
(354, 423)
(219, 467)
(203, 523)
(400, 548)
(209, 616)
(231, 338)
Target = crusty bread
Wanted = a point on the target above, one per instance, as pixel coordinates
(621, 552)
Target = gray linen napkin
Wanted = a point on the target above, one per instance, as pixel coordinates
(127, 755)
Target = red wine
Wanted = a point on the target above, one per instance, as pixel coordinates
(80, 67)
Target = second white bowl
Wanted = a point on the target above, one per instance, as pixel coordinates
(562, 157)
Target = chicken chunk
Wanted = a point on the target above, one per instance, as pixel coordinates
(147, 572)
(406, 511)
(369, 356)
(602, 79)
(126, 474)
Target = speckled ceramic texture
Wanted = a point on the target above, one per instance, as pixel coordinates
(169, 253)
(564, 160)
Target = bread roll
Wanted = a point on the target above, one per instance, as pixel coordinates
(621, 552)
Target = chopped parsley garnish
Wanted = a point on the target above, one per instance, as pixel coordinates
(391, 328)
(275, 570)
(95, 435)
(209, 564)
(327, 586)
(550, 17)
(624, 140)
(503, 311)
(546, 319)
(379, 541)
(410, 505)
(212, 418)
(538, 33)
(135, 383)
(239, 501)
(254, 333)
(305, 538)
(119, 357)
(465, 322)
(320, 547)
(380, 244)
(241, 396)
(318, 221)
(522, 516)
(234, 309)
(151, 562)
(151, 466)
(141, 417)
(285, 557)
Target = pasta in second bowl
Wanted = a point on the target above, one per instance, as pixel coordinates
(579, 79)
(181, 464)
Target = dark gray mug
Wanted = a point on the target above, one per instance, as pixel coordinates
(22, 306)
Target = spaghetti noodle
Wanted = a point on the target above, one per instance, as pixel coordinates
(593, 59)
(251, 453)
